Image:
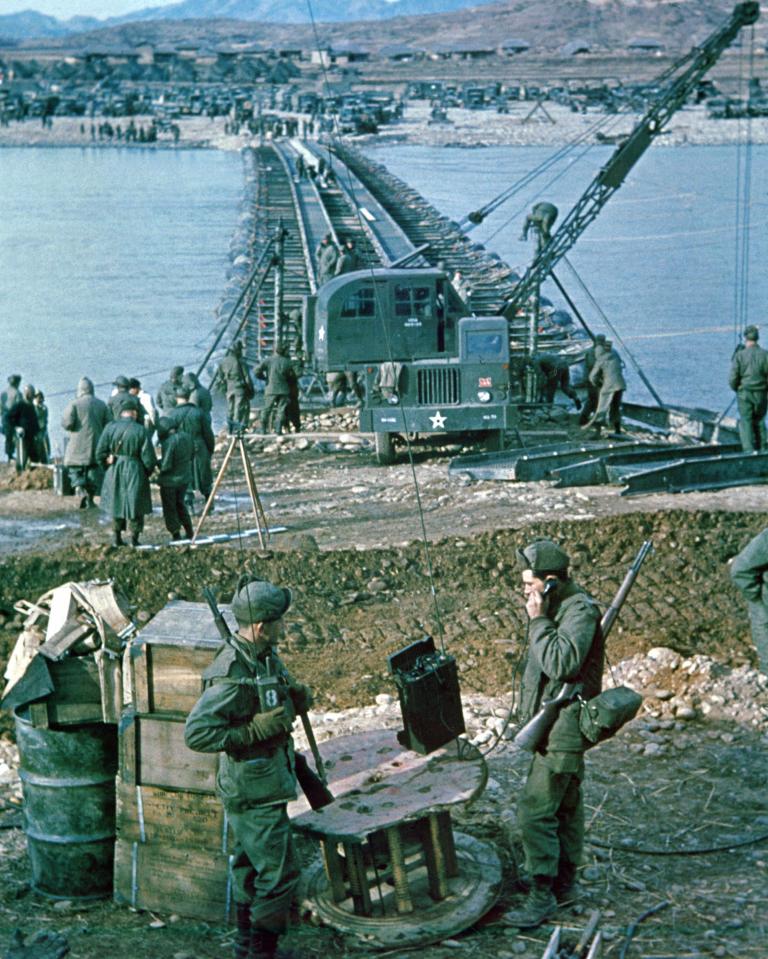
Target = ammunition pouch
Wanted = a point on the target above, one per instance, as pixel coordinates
(604, 715)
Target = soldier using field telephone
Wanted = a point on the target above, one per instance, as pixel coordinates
(247, 711)
(565, 646)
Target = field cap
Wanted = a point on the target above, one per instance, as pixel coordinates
(183, 392)
(543, 555)
(128, 402)
(260, 602)
(164, 426)
(752, 333)
(121, 381)
(600, 338)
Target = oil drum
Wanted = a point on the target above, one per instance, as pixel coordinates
(68, 781)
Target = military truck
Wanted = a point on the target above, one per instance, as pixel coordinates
(430, 370)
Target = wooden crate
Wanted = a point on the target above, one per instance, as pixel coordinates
(168, 656)
(153, 753)
(87, 689)
(151, 814)
(169, 878)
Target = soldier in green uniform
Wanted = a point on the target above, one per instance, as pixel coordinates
(748, 572)
(191, 420)
(166, 395)
(256, 777)
(175, 476)
(199, 396)
(565, 645)
(607, 375)
(349, 259)
(233, 378)
(281, 381)
(749, 378)
(126, 452)
(326, 255)
(590, 358)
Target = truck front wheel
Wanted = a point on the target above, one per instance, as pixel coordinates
(385, 448)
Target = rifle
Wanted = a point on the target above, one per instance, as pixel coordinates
(538, 727)
(313, 785)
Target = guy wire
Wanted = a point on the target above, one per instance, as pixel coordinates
(335, 136)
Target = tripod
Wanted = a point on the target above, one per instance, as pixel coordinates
(236, 440)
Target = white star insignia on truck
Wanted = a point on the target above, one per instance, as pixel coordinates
(437, 421)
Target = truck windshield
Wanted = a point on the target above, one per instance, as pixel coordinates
(484, 345)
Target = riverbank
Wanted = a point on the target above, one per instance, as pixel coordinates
(550, 124)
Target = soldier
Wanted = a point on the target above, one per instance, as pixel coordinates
(349, 260)
(281, 378)
(256, 776)
(199, 396)
(8, 399)
(555, 375)
(115, 402)
(22, 419)
(606, 374)
(175, 476)
(124, 449)
(590, 403)
(147, 411)
(232, 376)
(749, 378)
(84, 419)
(166, 395)
(191, 420)
(42, 440)
(565, 645)
(326, 255)
(748, 572)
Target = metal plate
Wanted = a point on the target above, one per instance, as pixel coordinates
(471, 894)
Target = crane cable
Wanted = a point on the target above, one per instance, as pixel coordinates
(335, 136)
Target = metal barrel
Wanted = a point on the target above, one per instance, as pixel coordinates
(68, 780)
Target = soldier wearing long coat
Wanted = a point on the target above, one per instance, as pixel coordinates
(199, 396)
(126, 452)
(84, 419)
(608, 377)
(327, 256)
(191, 420)
(749, 378)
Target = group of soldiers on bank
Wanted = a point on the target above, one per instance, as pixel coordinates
(110, 450)
(24, 423)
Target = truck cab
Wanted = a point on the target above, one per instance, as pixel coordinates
(429, 369)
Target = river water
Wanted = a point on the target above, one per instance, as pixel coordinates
(113, 261)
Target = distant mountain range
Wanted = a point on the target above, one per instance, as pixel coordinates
(32, 25)
(545, 24)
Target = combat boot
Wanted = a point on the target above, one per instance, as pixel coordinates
(242, 948)
(134, 539)
(538, 906)
(117, 538)
(263, 944)
(82, 493)
(564, 886)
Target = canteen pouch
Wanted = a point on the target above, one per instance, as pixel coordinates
(604, 715)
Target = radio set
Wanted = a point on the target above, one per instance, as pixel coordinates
(430, 700)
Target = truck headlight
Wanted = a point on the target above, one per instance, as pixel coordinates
(484, 396)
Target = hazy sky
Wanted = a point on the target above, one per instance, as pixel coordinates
(64, 9)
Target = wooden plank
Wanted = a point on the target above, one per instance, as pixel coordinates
(155, 815)
(153, 753)
(63, 609)
(168, 678)
(111, 685)
(164, 878)
(68, 636)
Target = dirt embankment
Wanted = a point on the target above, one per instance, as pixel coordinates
(354, 607)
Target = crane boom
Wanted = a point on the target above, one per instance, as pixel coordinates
(615, 171)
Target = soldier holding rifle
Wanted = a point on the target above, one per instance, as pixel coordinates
(246, 712)
(565, 646)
